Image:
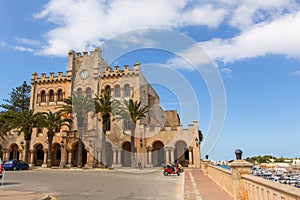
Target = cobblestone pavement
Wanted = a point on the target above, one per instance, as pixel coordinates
(200, 187)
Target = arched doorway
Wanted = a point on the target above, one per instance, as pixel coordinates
(56, 154)
(109, 154)
(126, 154)
(75, 155)
(158, 154)
(181, 153)
(14, 152)
(39, 159)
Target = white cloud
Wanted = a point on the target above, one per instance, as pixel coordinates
(227, 72)
(27, 41)
(279, 37)
(296, 73)
(88, 22)
(25, 49)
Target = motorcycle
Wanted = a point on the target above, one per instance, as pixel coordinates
(180, 168)
(170, 169)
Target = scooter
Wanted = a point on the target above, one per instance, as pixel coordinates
(180, 168)
(169, 169)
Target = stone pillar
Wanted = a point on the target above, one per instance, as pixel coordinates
(172, 153)
(238, 168)
(63, 160)
(149, 164)
(119, 156)
(31, 157)
(206, 163)
(191, 156)
(45, 158)
(5, 155)
(167, 152)
(116, 157)
(69, 163)
(90, 160)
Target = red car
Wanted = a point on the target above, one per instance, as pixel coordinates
(1, 171)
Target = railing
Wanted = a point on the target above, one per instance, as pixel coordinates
(240, 184)
(222, 177)
(258, 188)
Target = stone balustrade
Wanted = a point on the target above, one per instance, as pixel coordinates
(240, 184)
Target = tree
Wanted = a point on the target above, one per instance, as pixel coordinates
(19, 99)
(5, 123)
(135, 112)
(25, 121)
(103, 105)
(81, 105)
(52, 122)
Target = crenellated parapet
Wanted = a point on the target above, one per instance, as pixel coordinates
(49, 79)
(116, 71)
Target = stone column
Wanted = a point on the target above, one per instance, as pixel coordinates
(191, 156)
(172, 153)
(167, 152)
(45, 158)
(63, 160)
(116, 157)
(206, 163)
(149, 164)
(238, 168)
(5, 155)
(90, 160)
(31, 157)
(119, 156)
(69, 163)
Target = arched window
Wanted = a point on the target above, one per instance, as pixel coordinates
(79, 91)
(60, 95)
(51, 96)
(107, 90)
(43, 96)
(88, 92)
(127, 91)
(117, 91)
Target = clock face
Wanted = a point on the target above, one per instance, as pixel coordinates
(84, 74)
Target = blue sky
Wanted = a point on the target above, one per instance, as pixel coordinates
(253, 45)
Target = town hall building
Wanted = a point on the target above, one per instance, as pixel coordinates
(159, 137)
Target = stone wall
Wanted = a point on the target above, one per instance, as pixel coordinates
(242, 185)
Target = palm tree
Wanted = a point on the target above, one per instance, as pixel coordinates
(136, 112)
(26, 121)
(104, 106)
(52, 122)
(81, 105)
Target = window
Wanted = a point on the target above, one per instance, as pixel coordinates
(127, 91)
(117, 91)
(88, 92)
(51, 96)
(43, 96)
(107, 90)
(79, 91)
(60, 95)
(127, 125)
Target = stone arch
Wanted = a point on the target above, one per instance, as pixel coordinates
(181, 152)
(126, 154)
(158, 153)
(39, 154)
(14, 151)
(75, 154)
(56, 154)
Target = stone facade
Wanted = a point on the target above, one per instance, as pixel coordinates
(160, 138)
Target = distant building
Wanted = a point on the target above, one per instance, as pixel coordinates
(160, 136)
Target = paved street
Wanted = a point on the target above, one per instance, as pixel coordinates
(96, 184)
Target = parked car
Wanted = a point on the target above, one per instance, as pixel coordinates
(15, 165)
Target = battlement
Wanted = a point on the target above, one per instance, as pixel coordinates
(94, 53)
(116, 71)
(51, 78)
